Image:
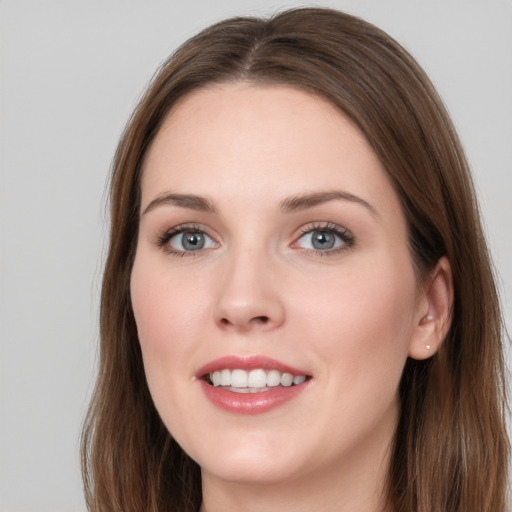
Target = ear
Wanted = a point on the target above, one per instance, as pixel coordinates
(433, 315)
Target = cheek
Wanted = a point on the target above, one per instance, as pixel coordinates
(166, 310)
(152, 309)
(362, 323)
(164, 319)
(165, 314)
(362, 330)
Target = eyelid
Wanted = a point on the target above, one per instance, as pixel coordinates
(344, 234)
(164, 239)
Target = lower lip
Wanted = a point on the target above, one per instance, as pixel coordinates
(251, 403)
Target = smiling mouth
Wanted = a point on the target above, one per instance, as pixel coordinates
(253, 381)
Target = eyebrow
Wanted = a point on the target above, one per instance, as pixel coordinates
(305, 201)
(291, 204)
(189, 201)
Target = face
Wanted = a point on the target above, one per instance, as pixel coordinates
(273, 289)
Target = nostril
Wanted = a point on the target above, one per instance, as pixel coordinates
(261, 319)
(257, 320)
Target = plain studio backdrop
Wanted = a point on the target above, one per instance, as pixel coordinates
(71, 73)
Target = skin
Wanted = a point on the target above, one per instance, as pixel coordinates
(349, 317)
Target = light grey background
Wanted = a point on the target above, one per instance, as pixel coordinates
(70, 74)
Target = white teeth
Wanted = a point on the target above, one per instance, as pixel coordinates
(299, 379)
(225, 378)
(242, 381)
(273, 378)
(239, 390)
(239, 378)
(257, 379)
(286, 379)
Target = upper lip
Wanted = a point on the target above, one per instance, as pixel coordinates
(251, 362)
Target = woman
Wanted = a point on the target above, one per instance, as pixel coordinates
(298, 308)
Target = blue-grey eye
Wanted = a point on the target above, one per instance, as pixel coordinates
(321, 240)
(191, 241)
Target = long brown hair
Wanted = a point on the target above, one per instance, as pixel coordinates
(451, 448)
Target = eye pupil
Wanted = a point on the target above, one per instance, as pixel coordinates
(323, 240)
(193, 241)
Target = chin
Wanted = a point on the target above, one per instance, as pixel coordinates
(250, 470)
(247, 458)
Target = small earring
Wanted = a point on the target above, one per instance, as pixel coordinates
(427, 318)
(428, 347)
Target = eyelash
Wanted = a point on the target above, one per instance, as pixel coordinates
(328, 227)
(164, 239)
(343, 234)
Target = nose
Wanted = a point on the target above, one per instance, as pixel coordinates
(249, 295)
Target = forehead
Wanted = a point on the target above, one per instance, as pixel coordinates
(254, 142)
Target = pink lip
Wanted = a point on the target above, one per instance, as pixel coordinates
(249, 403)
(247, 363)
